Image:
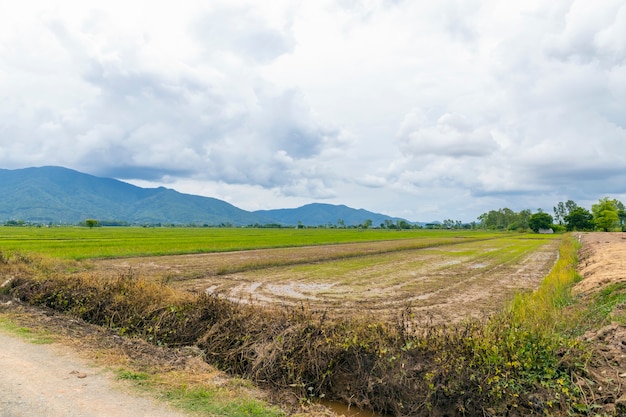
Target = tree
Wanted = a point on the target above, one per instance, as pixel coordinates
(621, 214)
(402, 224)
(524, 218)
(579, 219)
(605, 214)
(559, 212)
(91, 223)
(367, 224)
(562, 210)
(505, 219)
(540, 220)
(570, 206)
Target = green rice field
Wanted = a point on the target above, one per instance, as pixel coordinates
(111, 242)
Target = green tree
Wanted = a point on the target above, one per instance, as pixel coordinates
(605, 214)
(559, 212)
(91, 223)
(367, 224)
(540, 220)
(562, 210)
(402, 224)
(621, 214)
(524, 218)
(505, 219)
(570, 206)
(579, 219)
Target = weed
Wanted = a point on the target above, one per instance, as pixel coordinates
(132, 376)
(35, 336)
(608, 305)
(216, 402)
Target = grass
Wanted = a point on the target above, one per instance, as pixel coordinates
(199, 397)
(605, 307)
(610, 303)
(544, 308)
(536, 335)
(32, 335)
(219, 402)
(84, 243)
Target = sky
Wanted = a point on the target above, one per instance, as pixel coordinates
(426, 110)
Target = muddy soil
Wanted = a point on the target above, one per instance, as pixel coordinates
(442, 284)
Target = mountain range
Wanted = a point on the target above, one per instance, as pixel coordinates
(60, 195)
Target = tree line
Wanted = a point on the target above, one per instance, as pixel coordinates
(606, 215)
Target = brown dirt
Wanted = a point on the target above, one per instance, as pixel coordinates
(440, 284)
(602, 261)
(73, 374)
(42, 380)
(70, 377)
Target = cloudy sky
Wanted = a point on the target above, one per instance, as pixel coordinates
(422, 109)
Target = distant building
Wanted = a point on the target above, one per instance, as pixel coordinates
(546, 231)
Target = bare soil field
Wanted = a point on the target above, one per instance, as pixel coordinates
(602, 261)
(447, 282)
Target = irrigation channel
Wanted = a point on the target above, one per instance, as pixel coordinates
(343, 410)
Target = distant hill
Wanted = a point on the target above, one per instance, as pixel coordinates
(61, 195)
(322, 214)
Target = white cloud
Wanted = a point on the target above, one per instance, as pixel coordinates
(451, 135)
(425, 109)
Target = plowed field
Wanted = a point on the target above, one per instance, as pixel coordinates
(439, 281)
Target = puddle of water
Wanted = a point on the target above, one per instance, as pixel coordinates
(343, 410)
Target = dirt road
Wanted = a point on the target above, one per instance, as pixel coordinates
(44, 380)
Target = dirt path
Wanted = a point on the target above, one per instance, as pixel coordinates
(49, 380)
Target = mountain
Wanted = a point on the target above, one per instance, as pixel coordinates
(61, 195)
(322, 214)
